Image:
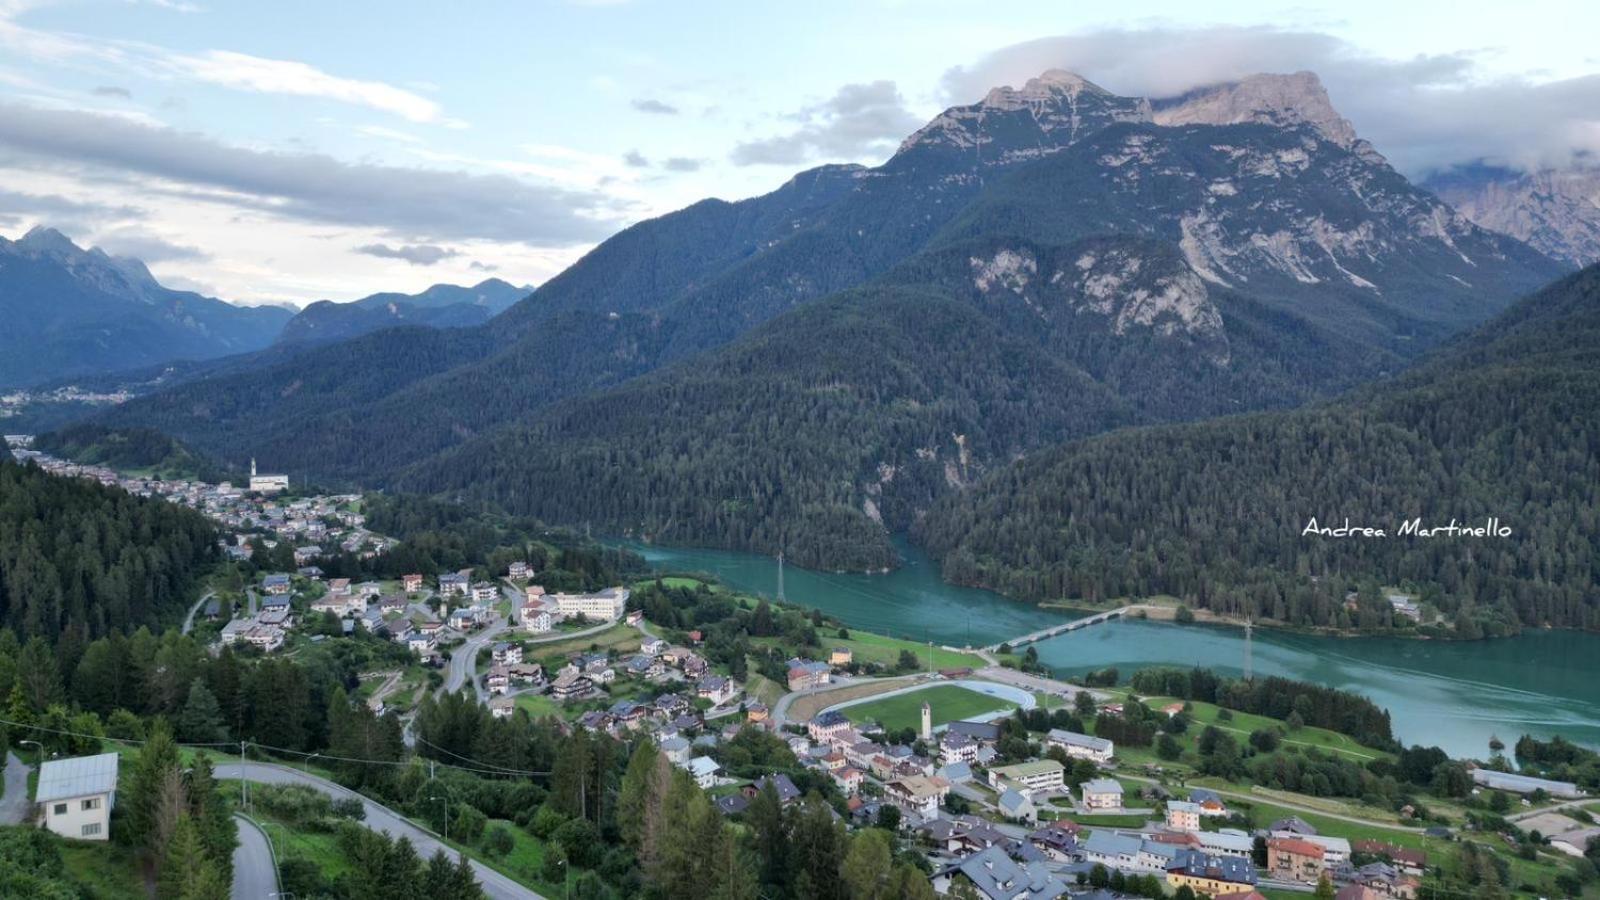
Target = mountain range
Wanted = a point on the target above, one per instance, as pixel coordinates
(440, 306)
(812, 369)
(1500, 428)
(1556, 211)
(70, 312)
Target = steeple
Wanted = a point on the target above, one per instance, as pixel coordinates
(927, 721)
(252, 467)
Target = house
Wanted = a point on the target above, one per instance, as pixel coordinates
(1228, 842)
(996, 876)
(1014, 804)
(917, 794)
(1183, 815)
(805, 674)
(635, 617)
(519, 571)
(484, 592)
(570, 684)
(1214, 875)
(498, 681)
(849, 779)
(1058, 841)
(756, 712)
(1029, 777)
(267, 638)
(717, 689)
(411, 584)
(1294, 859)
(77, 795)
(676, 750)
(304, 555)
(982, 732)
(1335, 850)
(782, 785)
(507, 654)
(1210, 802)
(840, 656)
(827, 726)
(1081, 746)
(1102, 793)
(954, 748)
(1293, 824)
(1112, 850)
(453, 584)
(275, 584)
(368, 589)
(502, 707)
(537, 619)
(652, 646)
(339, 587)
(704, 769)
(1415, 862)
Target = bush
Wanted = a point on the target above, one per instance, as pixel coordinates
(350, 808)
(499, 841)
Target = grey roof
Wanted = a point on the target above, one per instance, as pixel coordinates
(1012, 801)
(996, 875)
(79, 776)
(1074, 739)
(1102, 786)
(1110, 843)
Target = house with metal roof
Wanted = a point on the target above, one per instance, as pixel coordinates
(77, 795)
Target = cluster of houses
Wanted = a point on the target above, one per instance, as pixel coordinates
(656, 662)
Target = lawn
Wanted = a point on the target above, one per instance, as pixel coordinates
(104, 870)
(538, 705)
(949, 703)
(1243, 723)
(875, 648)
(621, 638)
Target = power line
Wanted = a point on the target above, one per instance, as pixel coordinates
(508, 771)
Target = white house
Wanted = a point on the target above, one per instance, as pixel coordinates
(1102, 793)
(77, 795)
(1081, 746)
(607, 604)
(704, 769)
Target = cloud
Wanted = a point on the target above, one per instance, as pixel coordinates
(280, 76)
(62, 213)
(859, 120)
(107, 90)
(483, 266)
(655, 107)
(146, 247)
(416, 254)
(635, 159)
(682, 164)
(1424, 112)
(432, 203)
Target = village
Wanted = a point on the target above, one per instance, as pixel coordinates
(999, 809)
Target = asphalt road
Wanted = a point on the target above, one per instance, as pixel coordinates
(379, 818)
(15, 804)
(255, 877)
(188, 621)
(463, 661)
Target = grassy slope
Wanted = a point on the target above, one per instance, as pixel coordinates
(949, 703)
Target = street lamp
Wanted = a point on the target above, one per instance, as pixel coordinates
(307, 763)
(444, 808)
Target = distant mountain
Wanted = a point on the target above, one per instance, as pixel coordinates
(440, 306)
(70, 311)
(811, 369)
(1557, 212)
(1500, 423)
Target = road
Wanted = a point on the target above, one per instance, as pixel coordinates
(464, 660)
(1290, 804)
(1514, 817)
(379, 818)
(255, 876)
(14, 806)
(188, 621)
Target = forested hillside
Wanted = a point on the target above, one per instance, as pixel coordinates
(79, 560)
(1502, 423)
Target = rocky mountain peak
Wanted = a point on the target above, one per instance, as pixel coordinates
(1287, 101)
(1556, 211)
(43, 239)
(1012, 124)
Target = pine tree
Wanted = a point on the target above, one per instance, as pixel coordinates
(187, 871)
(145, 792)
(201, 719)
(639, 800)
(866, 868)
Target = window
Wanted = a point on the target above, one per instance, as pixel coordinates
(93, 828)
(61, 809)
(91, 803)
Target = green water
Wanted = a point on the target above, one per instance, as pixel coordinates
(1452, 694)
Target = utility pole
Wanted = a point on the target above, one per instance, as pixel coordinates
(244, 800)
(780, 576)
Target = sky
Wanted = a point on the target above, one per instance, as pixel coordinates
(292, 151)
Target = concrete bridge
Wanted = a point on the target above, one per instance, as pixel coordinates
(1063, 628)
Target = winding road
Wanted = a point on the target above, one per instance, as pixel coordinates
(379, 818)
(188, 620)
(255, 871)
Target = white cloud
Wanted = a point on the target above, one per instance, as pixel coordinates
(280, 76)
(858, 120)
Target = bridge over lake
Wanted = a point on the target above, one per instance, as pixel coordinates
(1063, 628)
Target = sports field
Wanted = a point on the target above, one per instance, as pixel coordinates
(949, 703)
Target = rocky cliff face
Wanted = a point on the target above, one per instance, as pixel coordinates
(1557, 212)
(1287, 101)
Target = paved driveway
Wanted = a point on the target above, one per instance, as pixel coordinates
(14, 806)
(254, 875)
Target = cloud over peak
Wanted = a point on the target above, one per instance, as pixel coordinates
(416, 254)
(858, 120)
